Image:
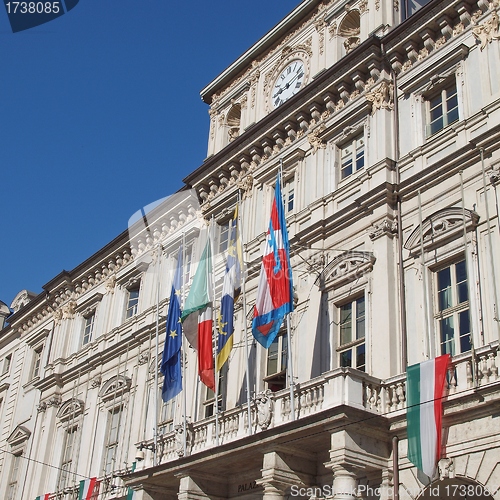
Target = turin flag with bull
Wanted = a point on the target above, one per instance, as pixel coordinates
(275, 288)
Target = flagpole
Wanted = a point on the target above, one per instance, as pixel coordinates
(427, 337)
(467, 268)
(155, 432)
(247, 353)
(288, 331)
(183, 352)
(214, 334)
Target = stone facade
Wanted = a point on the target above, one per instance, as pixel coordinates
(390, 159)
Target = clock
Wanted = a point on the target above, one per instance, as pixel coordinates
(288, 83)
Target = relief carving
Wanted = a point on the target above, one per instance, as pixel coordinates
(381, 97)
(488, 31)
(315, 141)
(179, 439)
(387, 227)
(265, 408)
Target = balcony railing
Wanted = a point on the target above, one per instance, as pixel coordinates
(342, 386)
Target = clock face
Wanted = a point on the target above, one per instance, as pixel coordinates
(288, 83)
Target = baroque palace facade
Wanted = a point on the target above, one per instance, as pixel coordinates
(386, 119)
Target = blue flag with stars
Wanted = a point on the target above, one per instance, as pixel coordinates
(171, 362)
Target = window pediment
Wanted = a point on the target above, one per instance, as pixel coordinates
(19, 436)
(440, 227)
(115, 386)
(346, 267)
(70, 409)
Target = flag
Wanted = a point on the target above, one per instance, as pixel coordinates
(424, 389)
(230, 292)
(130, 493)
(275, 288)
(171, 362)
(89, 489)
(43, 497)
(197, 317)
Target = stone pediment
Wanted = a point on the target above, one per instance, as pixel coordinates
(442, 226)
(19, 436)
(346, 267)
(115, 387)
(70, 409)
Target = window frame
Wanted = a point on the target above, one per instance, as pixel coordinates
(289, 184)
(454, 310)
(356, 342)
(7, 363)
(278, 379)
(13, 476)
(111, 445)
(66, 461)
(36, 362)
(351, 142)
(132, 305)
(442, 92)
(209, 395)
(87, 335)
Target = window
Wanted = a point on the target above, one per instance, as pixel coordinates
(132, 301)
(452, 306)
(352, 334)
(277, 361)
(111, 446)
(14, 471)
(352, 156)
(288, 195)
(6, 364)
(442, 108)
(37, 358)
(166, 420)
(67, 459)
(210, 395)
(225, 229)
(411, 6)
(188, 257)
(88, 328)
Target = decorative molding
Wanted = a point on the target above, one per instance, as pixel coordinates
(381, 97)
(488, 31)
(387, 227)
(19, 436)
(21, 299)
(95, 382)
(315, 140)
(443, 225)
(115, 386)
(494, 176)
(446, 468)
(70, 409)
(265, 408)
(143, 358)
(246, 186)
(346, 267)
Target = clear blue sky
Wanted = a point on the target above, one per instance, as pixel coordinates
(100, 114)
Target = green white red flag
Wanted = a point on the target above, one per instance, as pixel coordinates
(424, 393)
(43, 497)
(197, 318)
(89, 489)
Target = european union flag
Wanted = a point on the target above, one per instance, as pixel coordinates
(171, 362)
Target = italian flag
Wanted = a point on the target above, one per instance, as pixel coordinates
(424, 389)
(197, 317)
(43, 497)
(89, 489)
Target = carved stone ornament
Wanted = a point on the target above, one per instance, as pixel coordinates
(346, 267)
(387, 227)
(70, 409)
(115, 387)
(265, 408)
(351, 43)
(446, 468)
(488, 31)
(143, 358)
(58, 314)
(96, 382)
(440, 227)
(19, 436)
(494, 176)
(110, 284)
(69, 309)
(42, 407)
(54, 401)
(246, 186)
(381, 97)
(179, 439)
(314, 139)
